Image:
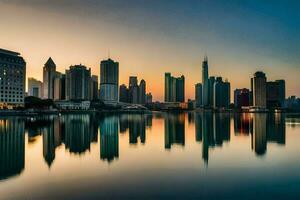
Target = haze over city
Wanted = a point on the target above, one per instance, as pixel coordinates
(149, 38)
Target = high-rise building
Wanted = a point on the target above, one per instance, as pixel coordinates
(12, 79)
(78, 79)
(275, 93)
(35, 87)
(259, 85)
(221, 95)
(94, 88)
(148, 98)
(198, 95)
(109, 80)
(205, 83)
(142, 92)
(174, 88)
(241, 97)
(57, 87)
(49, 73)
(133, 90)
(124, 94)
(211, 84)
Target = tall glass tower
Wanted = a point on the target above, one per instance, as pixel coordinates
(205, 82)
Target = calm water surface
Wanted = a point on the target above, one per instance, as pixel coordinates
(150, 156)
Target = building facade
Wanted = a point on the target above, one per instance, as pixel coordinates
(259, 85)
(78, 80)
(198, 95)
(205, 83)
(242, 97)
(49, 74)
(35, 88)
(12, 79)
(109, 80)
(174, 88)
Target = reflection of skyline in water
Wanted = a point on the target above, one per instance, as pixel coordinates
(212, 130)
(12, 147)
(77, 132)
(174, 129)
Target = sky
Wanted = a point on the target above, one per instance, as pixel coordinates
(151, 37)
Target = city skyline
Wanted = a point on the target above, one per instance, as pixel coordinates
(260, 40)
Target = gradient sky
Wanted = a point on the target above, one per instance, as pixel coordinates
(150, 37)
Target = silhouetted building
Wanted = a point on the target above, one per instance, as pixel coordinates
(12, 79)
(174, 88)
(57, 86)
(109, 138)
(133, 90)
(221, 96)
(259, 134)
(124, 94)
(205, 83)
(241, 97)
(35, 88)
(211, 90)
(94, 88)
(198, 95)
(142, 92)
(78, 79)
(259, 86)
(149, 98)
(49, 72)
(275, 93)
(109, 80)
(12, 147)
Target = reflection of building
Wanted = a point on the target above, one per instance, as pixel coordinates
(213, 130)
(12, 147)
(242, 124)
(198, 127)
(77, 133)
(174, 130)
(259, 136)
(12, 79)
(109, 138)
(136, 123)
(276, 128)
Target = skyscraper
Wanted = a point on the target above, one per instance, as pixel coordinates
(142, 92)
(109, 80)
(12, 79)
(35, 87)
(198, 95)
(211, 83)
(57, 89)
(241, 97)
(221, 96)
(205, 83)
(124, 94)
(94, 88)
(78, 79)
(148, 98)
(259, 83)
(133, 90)
(49, 72)
(275, 93)
(174, 88)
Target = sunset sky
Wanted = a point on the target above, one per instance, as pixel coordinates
(150, 37)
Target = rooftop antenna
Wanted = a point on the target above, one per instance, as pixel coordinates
(108, 54)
